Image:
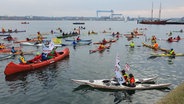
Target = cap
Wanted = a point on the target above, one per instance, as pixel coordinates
(37, 53)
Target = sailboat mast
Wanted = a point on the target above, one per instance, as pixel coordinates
(160, 12)
(152, 12)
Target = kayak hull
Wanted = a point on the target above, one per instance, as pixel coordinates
(13, 68)
(167, 55)
(109, 85)
(150, 46)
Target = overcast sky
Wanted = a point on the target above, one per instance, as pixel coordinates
(88, 8)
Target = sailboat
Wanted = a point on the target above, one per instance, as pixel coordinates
(157, 22)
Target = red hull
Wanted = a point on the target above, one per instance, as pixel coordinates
(9, 49)
(13, 68)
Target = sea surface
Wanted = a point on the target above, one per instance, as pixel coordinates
(52, 84)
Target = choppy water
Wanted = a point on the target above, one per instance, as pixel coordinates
(52, 84)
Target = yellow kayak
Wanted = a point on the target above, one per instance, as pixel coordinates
(167, 55)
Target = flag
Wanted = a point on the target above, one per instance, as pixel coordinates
(51, 45)
(48, 49)
(119, 77)
(127, 67)
(45, 49)
(56, 40)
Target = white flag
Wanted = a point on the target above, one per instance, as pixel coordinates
(45, 49)
(127, 67)
(48, 49)
(51, 45)
(119, 77)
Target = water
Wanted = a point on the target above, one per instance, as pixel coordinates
(52, 84)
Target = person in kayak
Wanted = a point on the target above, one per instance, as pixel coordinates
(2, 46)
(125, 76)
(13, 51)
(44, 56)
(172, 53)
(78, 38)
(132, 44)
(153, 39)
(131, 80)
(52, 54)
(102, 46)
(36, 59)
(39, 37)
(155, 46)
(22, 59)
(104, 41)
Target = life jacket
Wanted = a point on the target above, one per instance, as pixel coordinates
(13, 50)
(132, 80)
(125, 77)
(101, 47)
(171, 52)
(44, 56)
(155, 45)
(51, 54)
(132, 44)
(22, 60)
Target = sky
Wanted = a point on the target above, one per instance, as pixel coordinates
(88, 8)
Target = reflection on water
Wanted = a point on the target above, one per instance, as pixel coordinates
(119, 96)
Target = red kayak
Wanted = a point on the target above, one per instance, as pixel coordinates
(13, 68)
(100, 50)
(9, 49)
(109, 41)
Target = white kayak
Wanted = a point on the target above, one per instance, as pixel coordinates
(109, 84)
(29, 44)
(38, 45)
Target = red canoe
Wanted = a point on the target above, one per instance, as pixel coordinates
(13, 68)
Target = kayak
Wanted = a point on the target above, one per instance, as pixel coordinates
(4, 34)
(15, 31)
(134, 35)
(141, 80)
(29, 44)
(150, 46)
(108, 41)
(9, 49)
(81, 40)
(167, 55)
(6, 57)
(13, 68)
(67, 35)
(103, 84)
(100, 50)
(77, 44)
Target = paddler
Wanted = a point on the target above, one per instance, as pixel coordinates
(13, 51)
(3, 30)
(102, 46)
(155, 46)
(125, 76)
(39, 37)
(131, 80)
(52, 54)
(22, 59)
(132, 44)
(172, 53)
(2, 46)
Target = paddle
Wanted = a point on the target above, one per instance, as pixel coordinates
(136, 45)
